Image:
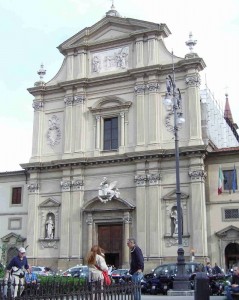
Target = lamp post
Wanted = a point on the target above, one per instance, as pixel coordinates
(172, 102)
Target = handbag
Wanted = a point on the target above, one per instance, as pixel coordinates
(107, 280)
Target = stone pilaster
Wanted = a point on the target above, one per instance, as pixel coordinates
(68, 124)
(140, 119)
(153, 106)
(139, 52)
(32, 222)
(70, 66)
(79, 121)
(66, 226)
(152, 50)
(127, 221)
(81, 59)
(194, 110)
(76, 219)
(198, 222)
(37, 128)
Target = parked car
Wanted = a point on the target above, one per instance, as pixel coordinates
(77, 271)
(120, 275)
(43, 271)
(160, 280)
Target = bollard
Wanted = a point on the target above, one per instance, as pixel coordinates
(201, 287)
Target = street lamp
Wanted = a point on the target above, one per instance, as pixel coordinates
(172, 102)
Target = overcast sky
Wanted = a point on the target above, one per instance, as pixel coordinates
(32, 29)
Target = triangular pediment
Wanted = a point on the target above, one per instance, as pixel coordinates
(50, 202)
(12, 238)
(229, 232)
(172, 195)
(115, 204)
(112, 28)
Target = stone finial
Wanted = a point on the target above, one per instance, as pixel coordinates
(191, 42)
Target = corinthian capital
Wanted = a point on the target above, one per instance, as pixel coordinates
(153, 86)
(68, 100)
(193, 80)
(197, 174)
(37, 105)
(139, 89)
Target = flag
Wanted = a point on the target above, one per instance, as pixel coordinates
(220, 181)
(234, 180)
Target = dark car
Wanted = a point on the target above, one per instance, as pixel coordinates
(78, 271)
(160, 280)
(120, 275)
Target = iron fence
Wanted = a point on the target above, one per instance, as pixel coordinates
(69, 290)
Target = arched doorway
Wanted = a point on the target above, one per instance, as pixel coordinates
(231, 255)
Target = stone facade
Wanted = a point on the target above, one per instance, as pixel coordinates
(115, 69)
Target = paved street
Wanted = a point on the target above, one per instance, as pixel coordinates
(161, 297)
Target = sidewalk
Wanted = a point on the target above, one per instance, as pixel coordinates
(161, 297)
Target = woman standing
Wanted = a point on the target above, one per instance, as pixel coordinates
(96, 262)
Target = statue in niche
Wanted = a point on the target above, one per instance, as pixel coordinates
(174, 222)
(50, 228)
(108, 190)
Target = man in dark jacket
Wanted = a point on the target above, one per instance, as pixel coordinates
(136, 264)
(234, 287)
(16, 267)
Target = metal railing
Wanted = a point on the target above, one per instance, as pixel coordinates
(69, 290)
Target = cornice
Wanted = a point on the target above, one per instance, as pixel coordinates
(133, 157)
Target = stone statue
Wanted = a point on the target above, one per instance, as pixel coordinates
(174, 217)
(49, 228)
(108, 190)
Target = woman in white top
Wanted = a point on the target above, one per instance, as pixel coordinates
(96, 262)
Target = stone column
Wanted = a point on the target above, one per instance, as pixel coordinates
(66, 207)
(139, 52)
(37, 128)
(194, 109)
(140, 115)
(89, 222)
(198, 223)
(153, 105)
(32, 220)
(68, 124)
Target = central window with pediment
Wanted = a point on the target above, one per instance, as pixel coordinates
(111, 134)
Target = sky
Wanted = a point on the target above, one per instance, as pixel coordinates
(32, 29)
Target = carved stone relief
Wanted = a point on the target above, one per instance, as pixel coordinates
(193, 80)
(110, 60)
(54, 132)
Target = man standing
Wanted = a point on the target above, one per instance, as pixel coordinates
(16, 267)
(234, 287)
(136, 265)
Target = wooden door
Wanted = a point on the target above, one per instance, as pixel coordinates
(110, 238)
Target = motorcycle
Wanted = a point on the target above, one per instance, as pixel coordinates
(216, 284)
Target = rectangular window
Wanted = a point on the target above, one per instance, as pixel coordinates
(111, 134)
(16, 195)
(230, 180)
(231, 214)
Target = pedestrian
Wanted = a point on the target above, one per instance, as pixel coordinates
(216, 269)
(234, 287)
(16, 268)
(31, 277)
(136, 265)
(209, 268)
(96, 261)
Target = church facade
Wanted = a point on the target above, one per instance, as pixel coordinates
(103, 165)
